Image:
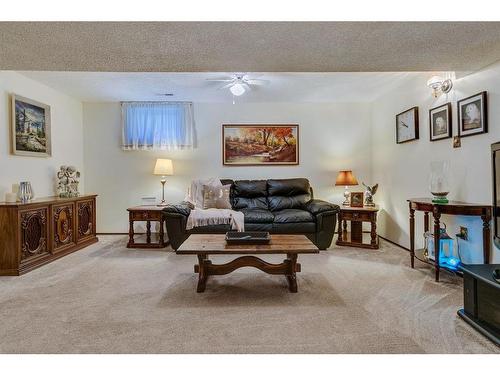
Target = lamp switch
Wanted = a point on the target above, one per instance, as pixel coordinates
(464, 233)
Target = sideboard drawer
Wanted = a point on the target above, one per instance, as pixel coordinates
(146, 215)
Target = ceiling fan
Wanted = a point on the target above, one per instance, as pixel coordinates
(239, 83)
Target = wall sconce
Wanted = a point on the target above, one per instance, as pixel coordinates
(439, 85)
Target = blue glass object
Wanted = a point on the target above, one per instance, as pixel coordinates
(447, 257)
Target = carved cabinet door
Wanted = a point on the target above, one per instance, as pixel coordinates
(85, 219)
(63, 226)
(34, 234)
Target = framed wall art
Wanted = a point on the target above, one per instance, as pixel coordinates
(440, 122)
(357, 199)
(473, 115)
(407, 125)
(30, 127)
(260, 144)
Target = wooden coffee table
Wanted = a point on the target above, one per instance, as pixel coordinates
(204, 245)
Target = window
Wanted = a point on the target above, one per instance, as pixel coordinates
(157, 125)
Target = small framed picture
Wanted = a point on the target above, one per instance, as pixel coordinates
(473, 115)
(407, 125)
(457, 142)
(357, 199)
(440, 122)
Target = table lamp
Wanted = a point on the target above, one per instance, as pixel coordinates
(346, 178)
(163, 167)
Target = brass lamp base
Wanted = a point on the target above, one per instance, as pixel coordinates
(162, 203)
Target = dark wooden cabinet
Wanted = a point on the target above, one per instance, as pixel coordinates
(38, 232)
(482, 299)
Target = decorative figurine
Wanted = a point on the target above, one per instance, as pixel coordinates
(369, 193)
(67, 182)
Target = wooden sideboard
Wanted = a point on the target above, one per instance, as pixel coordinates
(35, 233)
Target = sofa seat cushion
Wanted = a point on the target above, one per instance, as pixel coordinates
(291, 228)
(257, 215)
(291, 215)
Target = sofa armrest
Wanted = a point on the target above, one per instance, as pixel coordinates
(317, 206)
(184, 209)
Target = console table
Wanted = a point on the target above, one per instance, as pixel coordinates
(452, 208)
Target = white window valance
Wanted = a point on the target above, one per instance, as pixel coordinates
(157, 125)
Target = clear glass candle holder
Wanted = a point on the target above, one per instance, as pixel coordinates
(439, 183)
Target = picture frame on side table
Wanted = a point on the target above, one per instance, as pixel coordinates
(440, 122)
(357, 199)
(473, 115)
(407, 126)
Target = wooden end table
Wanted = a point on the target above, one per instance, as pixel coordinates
(204, 245)
(147, 214)
(357, 215)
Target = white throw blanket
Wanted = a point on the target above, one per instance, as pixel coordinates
(215, 216)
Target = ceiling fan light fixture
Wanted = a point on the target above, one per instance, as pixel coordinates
(237, 89)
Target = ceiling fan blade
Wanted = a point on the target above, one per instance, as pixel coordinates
(246, 86)
(257, 82)
(226, 86)
(219, 80)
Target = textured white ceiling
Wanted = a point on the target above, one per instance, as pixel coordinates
(248, 46)
(282, 87)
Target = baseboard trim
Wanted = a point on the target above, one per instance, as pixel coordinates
(394, 243)
(114, 234)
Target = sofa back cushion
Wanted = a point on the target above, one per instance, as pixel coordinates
(288, 193)
(249, 194)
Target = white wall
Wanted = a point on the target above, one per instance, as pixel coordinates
(403, 170)
(66, 130)
(332, 137)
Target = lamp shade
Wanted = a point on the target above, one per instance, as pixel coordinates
(346, 178)
(163, 167)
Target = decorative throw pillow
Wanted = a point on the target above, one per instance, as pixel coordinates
(195, 191)
(216, 196)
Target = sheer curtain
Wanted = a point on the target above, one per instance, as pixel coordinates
(157, 125)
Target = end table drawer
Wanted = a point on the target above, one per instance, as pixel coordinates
(356, 216)
(146, 215)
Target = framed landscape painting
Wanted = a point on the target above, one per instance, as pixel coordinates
(30, 127)
(260, 144)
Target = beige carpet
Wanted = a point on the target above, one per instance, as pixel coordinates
(109, 299)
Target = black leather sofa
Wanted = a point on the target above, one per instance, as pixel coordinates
(275, 206)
